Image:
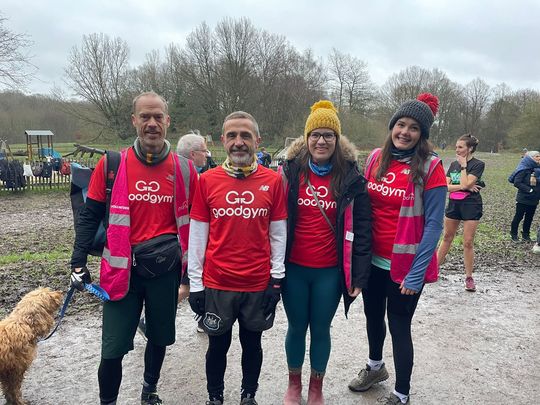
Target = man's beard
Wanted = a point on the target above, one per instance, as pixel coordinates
(244, 160)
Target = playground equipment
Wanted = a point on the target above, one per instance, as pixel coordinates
(40, 143)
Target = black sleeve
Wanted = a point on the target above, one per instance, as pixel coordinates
(521, 181)
(87, 226)
(361, 260)
(184, 280)
(476, 168)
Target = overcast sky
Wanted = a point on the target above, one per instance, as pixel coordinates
(495, 40)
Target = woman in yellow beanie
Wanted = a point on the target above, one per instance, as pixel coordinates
(328, 242)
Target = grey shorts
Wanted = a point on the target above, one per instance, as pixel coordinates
(223, 308)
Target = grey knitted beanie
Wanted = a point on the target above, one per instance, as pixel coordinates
(423, 110)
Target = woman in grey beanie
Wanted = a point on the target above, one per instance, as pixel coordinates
(407, 188)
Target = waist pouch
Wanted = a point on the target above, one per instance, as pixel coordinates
(459, 195)
(157, 256)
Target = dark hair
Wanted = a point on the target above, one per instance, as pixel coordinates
(470, 141)
(424, 149)
(339, 167)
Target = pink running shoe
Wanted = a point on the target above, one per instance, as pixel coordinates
(469, 284)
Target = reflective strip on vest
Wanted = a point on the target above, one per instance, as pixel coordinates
(184, 169)
(410, 249)
(417, 210)
(119, 219)
(182, 220)
(115, 261)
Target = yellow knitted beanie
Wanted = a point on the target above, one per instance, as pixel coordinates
(323, 115)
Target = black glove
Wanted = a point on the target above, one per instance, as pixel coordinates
(80, 278)
(197, 302)
(271, 297)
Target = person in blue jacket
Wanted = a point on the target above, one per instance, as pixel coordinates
(525, 179)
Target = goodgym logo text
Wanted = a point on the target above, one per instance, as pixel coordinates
(321, 192)
(148, 191)
(240, 206)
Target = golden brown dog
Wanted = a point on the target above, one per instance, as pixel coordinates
(32, 318)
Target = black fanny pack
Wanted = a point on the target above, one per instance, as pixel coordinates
(157, 256)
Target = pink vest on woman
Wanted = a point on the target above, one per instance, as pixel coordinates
(410, 225)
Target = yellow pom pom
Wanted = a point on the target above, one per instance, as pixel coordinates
(323, 104)
(323, 115)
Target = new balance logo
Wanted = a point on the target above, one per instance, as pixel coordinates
(264, 188)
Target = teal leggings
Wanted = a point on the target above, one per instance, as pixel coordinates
(310, 297)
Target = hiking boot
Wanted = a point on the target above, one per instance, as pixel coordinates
(526, 238)
(536, 248)
(249, 400)
(141, 328)
(293, 396)
(150, 398)
(392, 399)
(367, 377)
(514, 238)
(315, 395)
(469, 284)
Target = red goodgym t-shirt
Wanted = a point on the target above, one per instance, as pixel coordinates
(386, 197)
(239, 212)
(150, 196)
(314, 243)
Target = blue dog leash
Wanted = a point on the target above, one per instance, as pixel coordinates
(94, 289)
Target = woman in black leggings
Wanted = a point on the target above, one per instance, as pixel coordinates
(407, 187)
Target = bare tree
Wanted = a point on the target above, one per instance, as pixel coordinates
(98, 73)
(151, 75)
(236, 41)
(337, 69)
(197, 65)
(350, 81)
(15, 67)
(403, 86)
(477, 94)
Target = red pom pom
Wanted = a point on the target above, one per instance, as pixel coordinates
(431, 100)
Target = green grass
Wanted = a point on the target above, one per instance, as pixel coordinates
(33, 257)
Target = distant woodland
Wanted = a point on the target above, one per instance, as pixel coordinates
(236, 66)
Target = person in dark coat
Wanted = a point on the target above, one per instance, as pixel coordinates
(526, 181)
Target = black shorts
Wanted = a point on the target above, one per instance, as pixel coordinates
(223, 308)
(463, 211)
(120, 318)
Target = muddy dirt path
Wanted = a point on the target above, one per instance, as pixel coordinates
(470, 348)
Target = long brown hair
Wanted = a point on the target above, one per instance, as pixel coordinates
(339, 167)
(424, 149)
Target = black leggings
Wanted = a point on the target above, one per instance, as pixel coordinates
(383, 295)
(110, 372)
(523, 210)
(216, 361)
